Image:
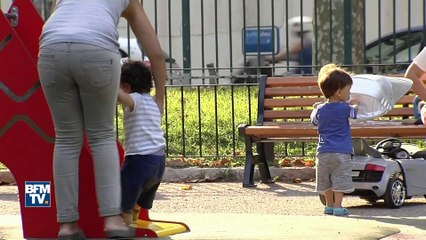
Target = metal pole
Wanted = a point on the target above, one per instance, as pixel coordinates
(348, 32)
(186, 41)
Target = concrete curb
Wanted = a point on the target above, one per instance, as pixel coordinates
(234, 174)
(195, 174)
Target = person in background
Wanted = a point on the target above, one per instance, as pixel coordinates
(79, 68)
(301, 50)
(299, 55)
(144, 141)
(416, 72)
(334, 151)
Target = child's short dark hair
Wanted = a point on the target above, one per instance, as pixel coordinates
(332, 78)
(137, 75)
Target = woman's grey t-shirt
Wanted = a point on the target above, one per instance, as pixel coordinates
(90, 21)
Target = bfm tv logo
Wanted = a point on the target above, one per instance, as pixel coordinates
(37, 194)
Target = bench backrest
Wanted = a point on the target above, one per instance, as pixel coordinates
(283, 99)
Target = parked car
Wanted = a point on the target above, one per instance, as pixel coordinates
(394, 52)
(134, 50)
(390, 170)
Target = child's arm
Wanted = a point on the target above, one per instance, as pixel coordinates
(314, 116)
(354, 104)
(126, 100)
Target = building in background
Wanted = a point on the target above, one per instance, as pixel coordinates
(215, 32)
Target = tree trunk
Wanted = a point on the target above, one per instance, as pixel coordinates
(329, 33)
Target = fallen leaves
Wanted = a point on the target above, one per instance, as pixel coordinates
(186, 187)
(226, 162)
(296, 162)
(183, 162)
(296, 180)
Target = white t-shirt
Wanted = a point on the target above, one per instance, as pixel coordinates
(142, 126)
(420, 59)
(82, 21)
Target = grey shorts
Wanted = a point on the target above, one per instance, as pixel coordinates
(334, 172)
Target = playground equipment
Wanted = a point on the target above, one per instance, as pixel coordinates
(27, 136)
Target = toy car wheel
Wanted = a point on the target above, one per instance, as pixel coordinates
(395, 193)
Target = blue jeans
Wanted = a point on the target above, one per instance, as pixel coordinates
(81, 84)
(140, 178)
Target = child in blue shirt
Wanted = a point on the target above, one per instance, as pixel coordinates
(334, 152)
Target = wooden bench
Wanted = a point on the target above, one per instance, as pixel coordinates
(284, 107)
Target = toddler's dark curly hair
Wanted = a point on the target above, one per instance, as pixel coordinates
(137, 75)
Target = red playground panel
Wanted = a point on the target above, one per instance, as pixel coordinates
(27, 134)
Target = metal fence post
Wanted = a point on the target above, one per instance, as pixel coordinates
(348, 32)
(186, 41)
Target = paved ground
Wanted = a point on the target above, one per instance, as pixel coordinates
(276, 211)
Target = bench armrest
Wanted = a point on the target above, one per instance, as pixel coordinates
(241, 129)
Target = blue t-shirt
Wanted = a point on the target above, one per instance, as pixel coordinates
(332, 119)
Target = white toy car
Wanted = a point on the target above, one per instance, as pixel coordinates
(390, 170)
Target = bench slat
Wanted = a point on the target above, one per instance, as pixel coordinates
(309, 101)
(292, 91)
(284, 114)
(305, 113)
(295, 81)
(405, 101)
(300, 130)
(400, 112)
(294, 102)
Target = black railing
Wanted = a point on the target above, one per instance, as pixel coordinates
(213, 82)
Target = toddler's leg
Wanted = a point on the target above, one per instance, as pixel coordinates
(338, 209)
(329, 198)
(338, 197)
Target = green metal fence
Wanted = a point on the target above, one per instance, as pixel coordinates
(217, 49)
